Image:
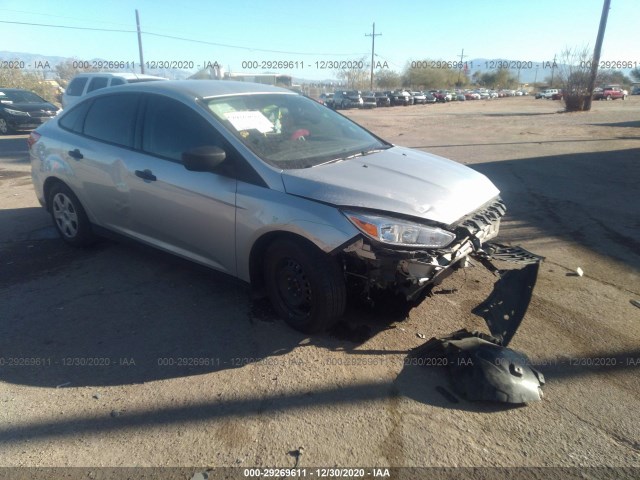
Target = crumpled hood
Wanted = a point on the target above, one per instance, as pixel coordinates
(398, 180)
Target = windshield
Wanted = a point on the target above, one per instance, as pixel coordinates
(20, 97)
(292, 131)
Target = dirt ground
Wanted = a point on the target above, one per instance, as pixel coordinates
(123, 356)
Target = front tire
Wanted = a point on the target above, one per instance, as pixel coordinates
(69, 217)
(305, 286)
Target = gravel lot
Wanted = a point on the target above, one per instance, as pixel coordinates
(185, 370)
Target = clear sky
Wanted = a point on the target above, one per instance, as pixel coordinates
(313, 32)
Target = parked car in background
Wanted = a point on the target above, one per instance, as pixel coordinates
(559, 95)
(327, 99)
(382, 99)
(347, 99)
(548, 93)
(369, 100)
(401, 97)
(216, 172)
(610, 92)
(429, 98)
(85, 83)
(418, 98)
(23, 110)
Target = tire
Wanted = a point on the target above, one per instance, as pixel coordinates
(69, 218)
(5, 129)
(305, 286)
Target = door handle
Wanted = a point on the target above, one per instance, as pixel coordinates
(75, 154)
(146, 175)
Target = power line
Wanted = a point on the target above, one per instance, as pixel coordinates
(173, 37)
(69, 26)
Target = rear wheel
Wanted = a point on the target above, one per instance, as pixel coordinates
(305, 286)
(69, 217)
(4, 127)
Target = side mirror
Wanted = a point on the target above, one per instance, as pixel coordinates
(203, 159)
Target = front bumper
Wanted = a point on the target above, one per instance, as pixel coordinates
(19, 122)
(408, 271)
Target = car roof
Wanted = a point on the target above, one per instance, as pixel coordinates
(195, 88)
(125, 75)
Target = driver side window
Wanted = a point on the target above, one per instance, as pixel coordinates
(171, 128)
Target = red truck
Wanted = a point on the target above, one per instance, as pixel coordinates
(610, 92)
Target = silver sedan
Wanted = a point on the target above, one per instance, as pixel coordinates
(265, 185)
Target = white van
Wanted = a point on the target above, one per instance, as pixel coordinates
(84, 83)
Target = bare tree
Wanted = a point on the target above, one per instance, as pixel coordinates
(34, 81)
(574, 76)
(357, 77)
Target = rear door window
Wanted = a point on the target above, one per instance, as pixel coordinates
(96, 83)
(76, 86)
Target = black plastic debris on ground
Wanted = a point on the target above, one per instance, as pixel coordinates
(481, 369)
(505, 308)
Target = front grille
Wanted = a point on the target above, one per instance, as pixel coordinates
(487, 216)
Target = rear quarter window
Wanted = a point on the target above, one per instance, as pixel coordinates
(112, 119)
(73, 119)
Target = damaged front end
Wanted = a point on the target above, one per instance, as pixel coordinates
(481, 366)
(374, 263)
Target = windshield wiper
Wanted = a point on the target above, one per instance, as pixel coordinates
(354, 155)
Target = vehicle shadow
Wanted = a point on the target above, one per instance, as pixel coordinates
(13, 149)
(121, 313)
(632, 124)
(586, 198)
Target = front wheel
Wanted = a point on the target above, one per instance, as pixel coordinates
(305, 286)
(69, 217)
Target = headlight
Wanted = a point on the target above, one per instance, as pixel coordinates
(395, 231)
(16, 112)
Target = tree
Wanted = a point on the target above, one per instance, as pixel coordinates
(34, 81)
(68, 69)
(421, 74)
(635, 74)
(500, 78)
(574, 74)
(387, 79)
(358, 77)
(612, 77)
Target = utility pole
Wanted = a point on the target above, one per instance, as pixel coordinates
(139, 42)
(462, 55)
(373, 36)
(596, 53)
(553, 70)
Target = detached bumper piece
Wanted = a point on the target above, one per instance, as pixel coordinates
(505, 308)
(481, 366)
(483, 370)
